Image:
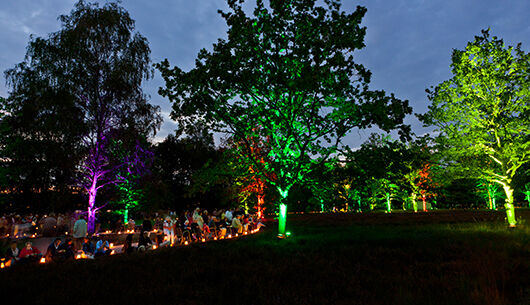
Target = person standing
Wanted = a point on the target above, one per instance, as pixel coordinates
(79, 232)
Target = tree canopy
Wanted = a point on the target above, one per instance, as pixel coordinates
(74, 90)
(482, 113)
(286, 73)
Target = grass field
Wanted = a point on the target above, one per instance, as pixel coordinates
(431, 258)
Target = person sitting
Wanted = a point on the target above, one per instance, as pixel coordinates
(144, 243)
(88, 247)
(67, 249)
(53, 251)
(127, 246)
(29, 253)
(102, 248)
(236, 224)
(12, 253)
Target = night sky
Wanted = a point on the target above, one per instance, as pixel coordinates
(408, 42)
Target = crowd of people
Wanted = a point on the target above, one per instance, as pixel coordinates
(17, 226)
(188, 227)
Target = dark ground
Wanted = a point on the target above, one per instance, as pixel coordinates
(445, 257)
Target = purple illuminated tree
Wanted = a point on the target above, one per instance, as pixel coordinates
(95, 64)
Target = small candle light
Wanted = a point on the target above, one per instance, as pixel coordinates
(203, 240)
(154, 247)
(42, 260)
(186, 243)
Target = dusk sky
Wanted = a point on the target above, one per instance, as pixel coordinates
(408, 42)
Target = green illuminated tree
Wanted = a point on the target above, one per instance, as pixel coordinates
(380, 159)
(289, 70)
(526, 193)
(490, 192)
(483, 113)
(134, 163)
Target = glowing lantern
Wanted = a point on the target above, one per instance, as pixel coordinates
(203, 240)
(112, 252)
(78, 256)
(229, 236)
(2, 265)
(154, 247)
(186, 243)
(42, 260)
(215, 238)
(236, 235)
(111, 245)
(245, 233)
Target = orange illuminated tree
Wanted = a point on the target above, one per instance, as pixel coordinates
(249, 181)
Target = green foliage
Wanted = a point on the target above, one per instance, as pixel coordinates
(489, 191)
(288, 70)
(526, 193)
(482, 113)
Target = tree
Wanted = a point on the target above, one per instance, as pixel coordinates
(490, 192)
(40, 135)
(380, 159)
(95, 66)
(180, 160)
(526, 193)
(134, 164)
(288, 70)
(483, 112)
(248, 182)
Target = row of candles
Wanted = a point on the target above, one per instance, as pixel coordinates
(82, 255)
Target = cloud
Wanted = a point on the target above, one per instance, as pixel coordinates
(408, 42)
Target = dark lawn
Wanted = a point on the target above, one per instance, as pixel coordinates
(330, 259)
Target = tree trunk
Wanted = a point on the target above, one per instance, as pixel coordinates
(414, 203)
(261, 202)
(92, 205)
(388, 204)
(424, 201)
(489, 197)
(282, 218)
(510, 210)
